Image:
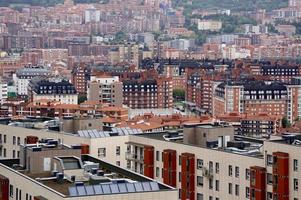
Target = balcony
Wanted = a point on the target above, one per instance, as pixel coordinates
(207, 173)
(134, 157)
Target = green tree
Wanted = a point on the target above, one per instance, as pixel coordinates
(179, 94)
(285, 123)
(120, 36)
(81, 98)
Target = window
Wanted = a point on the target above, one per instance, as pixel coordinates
(269, 160)
(180, 160)
(230, 188)
(295, 165)
(157, 155)
(118, 151)
(236, 172)
(247, 192)
(18, 141)
(14, 140)
(269, 179)
(237, 190)
(118, 163)
(180, 176)
(247, 174)
(4, 153)
(200, 181)
(199, 196)
(101, 152)
(14, 153)
(210, 184)
(216, 185)
(211, 167)
(210, 198)
(230, 170)
(200, 163)
(295, 184)
(4, 138)
(269, 196)
(217, 168)
(11, 191)
(157, 172)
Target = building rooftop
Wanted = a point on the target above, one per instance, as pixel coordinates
(85, 176)
(239, 145)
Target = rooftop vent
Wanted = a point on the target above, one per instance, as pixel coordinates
(60, 177)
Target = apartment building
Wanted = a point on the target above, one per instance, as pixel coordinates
(105, 89)
(210, 25)
(23, 76)
(3, 91)
(279, 72)
(255, 97)
(203, 161)
(262, 125)
(125, 53)
(148, 93)
(193, 82)
(55, 89)
(80, 77)
(57, 171)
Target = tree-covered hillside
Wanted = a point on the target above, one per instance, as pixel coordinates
(44, 2)
(235, 5)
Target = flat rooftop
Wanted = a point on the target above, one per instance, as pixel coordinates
(251, 149)
(114, 180)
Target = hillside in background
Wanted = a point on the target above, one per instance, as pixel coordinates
(44, 2)
(235, 5)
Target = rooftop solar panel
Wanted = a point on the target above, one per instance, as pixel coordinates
(80, 133)
(86, 133)
(114, 188)
(90, 190)
(97, 189)
(130, 187)
(101, 134)
(81, 190)
(107, 134)
(146, 186)
(138, 187)
(122, 188)
(154, 186)
(106, 188)
(91, 133)
(73, 192)
(97, 134)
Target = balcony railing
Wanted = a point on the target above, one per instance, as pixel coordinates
(133, 156)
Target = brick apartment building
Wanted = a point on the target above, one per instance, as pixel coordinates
(255, 97)
(148, 93)
(80, 77)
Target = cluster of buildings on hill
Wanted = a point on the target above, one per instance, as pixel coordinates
(95, 103)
